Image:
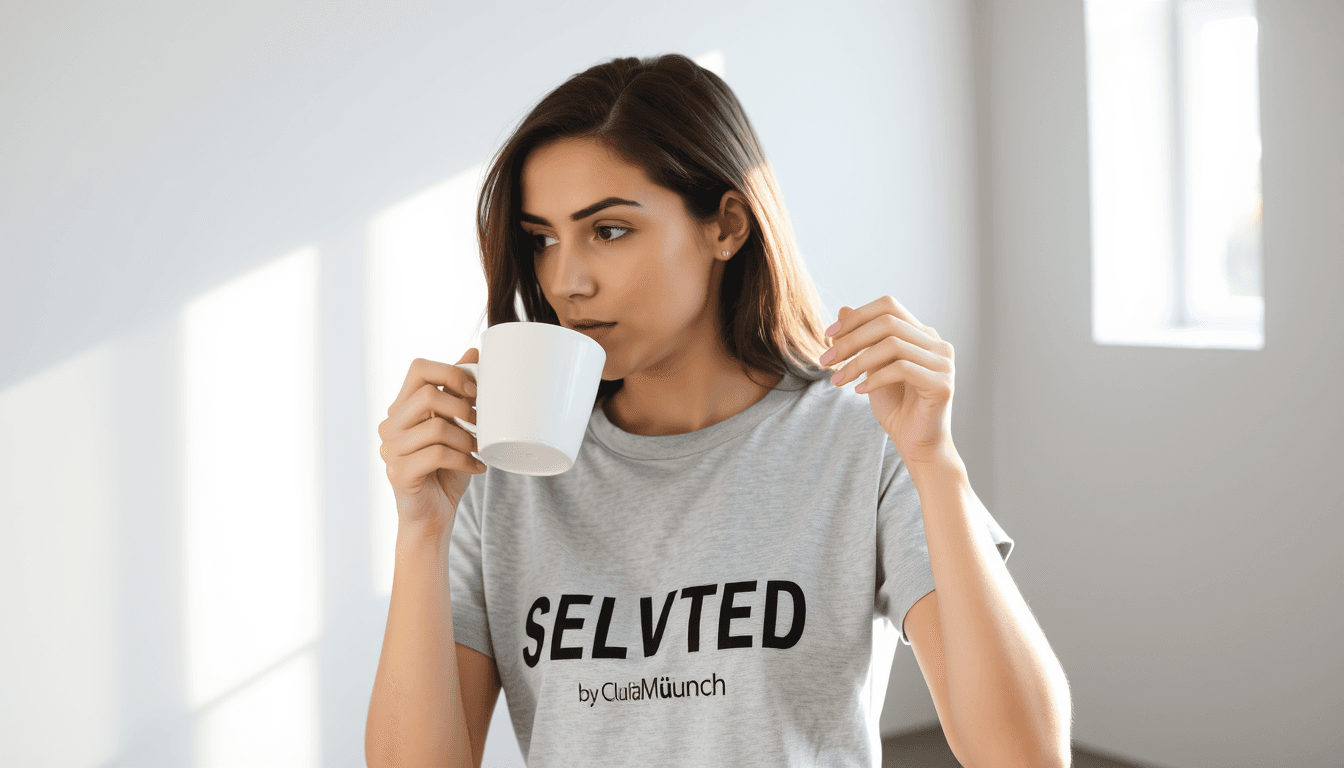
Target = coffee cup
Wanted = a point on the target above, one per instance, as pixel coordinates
(535, 387)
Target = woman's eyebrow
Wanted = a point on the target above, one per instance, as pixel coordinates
(580, 214)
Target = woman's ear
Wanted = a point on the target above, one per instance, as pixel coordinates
(732, 227)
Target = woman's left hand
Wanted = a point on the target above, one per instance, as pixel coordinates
(909, 383)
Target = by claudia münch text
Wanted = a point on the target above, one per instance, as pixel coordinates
(658, 688)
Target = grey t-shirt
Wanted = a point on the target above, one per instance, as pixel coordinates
(729, 596)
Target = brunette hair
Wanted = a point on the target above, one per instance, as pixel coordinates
(682, 124)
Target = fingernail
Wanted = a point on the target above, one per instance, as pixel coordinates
(837, 377)
(831, 331)
(828, 357)
(471, 388)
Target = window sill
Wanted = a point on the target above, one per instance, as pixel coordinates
(1194, 337)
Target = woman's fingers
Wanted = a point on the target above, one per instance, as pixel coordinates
(431, 432)
(427, 402)
(424, 372)
(406, 470)
(419, 439)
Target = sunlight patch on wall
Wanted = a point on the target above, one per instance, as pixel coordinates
(252, 536)
(271, 722)
(426, 298)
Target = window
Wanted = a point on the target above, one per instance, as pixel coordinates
(1174, 128)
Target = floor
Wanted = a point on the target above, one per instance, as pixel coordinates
(927, 748)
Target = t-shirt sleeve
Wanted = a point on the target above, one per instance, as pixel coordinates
(903, 571)
(466, 584)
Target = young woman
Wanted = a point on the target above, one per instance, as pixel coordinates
(723, 576)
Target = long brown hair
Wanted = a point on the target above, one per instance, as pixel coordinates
(682, 124)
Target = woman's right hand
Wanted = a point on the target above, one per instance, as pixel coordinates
(428, 456)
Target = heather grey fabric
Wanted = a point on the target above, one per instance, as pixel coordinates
(730, 596)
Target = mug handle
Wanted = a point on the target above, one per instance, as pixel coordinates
(469, 368)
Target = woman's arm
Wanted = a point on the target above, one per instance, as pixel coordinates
(1005, 698)
(480, 692)
(427, 707)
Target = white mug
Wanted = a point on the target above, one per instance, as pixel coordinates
(535, 387)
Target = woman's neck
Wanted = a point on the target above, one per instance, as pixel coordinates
(675, 405)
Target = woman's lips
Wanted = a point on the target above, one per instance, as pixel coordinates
(595, 331)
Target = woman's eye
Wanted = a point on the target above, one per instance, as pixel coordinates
(623, 230)
(539, 240)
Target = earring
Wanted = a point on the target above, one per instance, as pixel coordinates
(725, 253)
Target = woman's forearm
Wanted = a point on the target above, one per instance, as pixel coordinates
(416, 717)
(1008, 695)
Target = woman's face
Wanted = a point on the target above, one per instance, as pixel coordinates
(611, 245)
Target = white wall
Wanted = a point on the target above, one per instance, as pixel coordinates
(1178, 511)
(160, 161)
